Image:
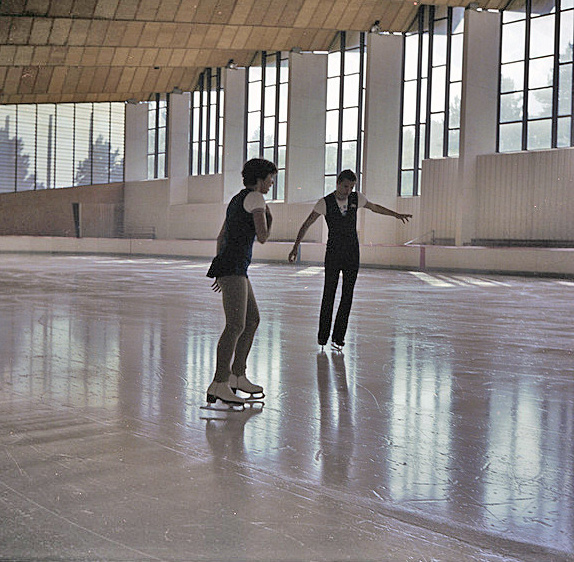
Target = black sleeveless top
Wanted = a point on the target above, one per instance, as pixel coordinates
(236, 250)
(343, 241)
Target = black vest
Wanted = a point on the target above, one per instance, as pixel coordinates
(342, 242)
(236, 250)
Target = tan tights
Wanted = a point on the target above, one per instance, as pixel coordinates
(241, 321)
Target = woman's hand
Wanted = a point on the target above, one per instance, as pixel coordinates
(215, 286)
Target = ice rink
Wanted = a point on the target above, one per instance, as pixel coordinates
(443, 433)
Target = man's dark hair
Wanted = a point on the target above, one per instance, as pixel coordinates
(347, 175)
(257, 169)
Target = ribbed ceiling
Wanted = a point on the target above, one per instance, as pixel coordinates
(113, 50)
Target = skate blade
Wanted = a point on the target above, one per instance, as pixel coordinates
(223, 407)
(336, 348)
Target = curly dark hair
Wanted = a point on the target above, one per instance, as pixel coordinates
(255, 169)
(347, 175)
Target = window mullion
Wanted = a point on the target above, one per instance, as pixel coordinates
(526, 75)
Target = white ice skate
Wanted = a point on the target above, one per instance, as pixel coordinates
(228, 400)
(243, 384)
(337, 347)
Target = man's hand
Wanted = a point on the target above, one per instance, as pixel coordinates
(293, 254)
(403, 217)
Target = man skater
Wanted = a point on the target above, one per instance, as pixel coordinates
(342, 254)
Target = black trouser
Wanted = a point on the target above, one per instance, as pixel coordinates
(332, 272)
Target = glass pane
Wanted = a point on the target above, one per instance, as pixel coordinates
(515, 11)
(566, 35)
(269, 131)
(352, 62)
(408, 152)
(457, 20)
(349, 156)
(513, 42)
(411, 56)
(541, 72)
(422, 153)
(283, 102)
(332, 132)
(456, 58)
(254, 74)
(436, 136)
(280, 186)
(350, 123)
(281, 157)
(163, 116)
(564, 128)
(331, 159)
(25, 151)
(453, 143)
(150, 167)
(65, 148)
(438, 89)
(82, 146)
(151, 115)
(333, 93)
(423, 101)
(351, 91)
(270, 71)
(512, 77)
(409, 103)
(510, 137)
(540, 103)
(424, 70)
(253, 126)
(252, 150)
(439, 45)
(162, 139)
(45, 144)
(282, 140)
(7, 148)
(334, 64)
(542, 36)
(407, 184)
(254, 96)
(269, 153)
(539, 134)
(161, 165)
(454, 105)
(511, 106)
(270, 93)
(565, 90)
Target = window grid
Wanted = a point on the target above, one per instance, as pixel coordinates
(345, 112)
(267, 89)
(45, 146)
(536, 104)
(206, 125)
(432, 86)
(158, 117)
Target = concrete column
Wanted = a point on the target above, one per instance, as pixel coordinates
(178, 148)
(305, 166)
(136, 142)
(234, 131)
(478, 112)
(382, 129)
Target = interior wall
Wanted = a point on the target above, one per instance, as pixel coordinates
(50, 212)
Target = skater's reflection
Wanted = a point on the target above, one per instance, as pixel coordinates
(336, 427)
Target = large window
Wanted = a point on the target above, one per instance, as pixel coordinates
(346, 82)
(536, 102)
(158, 111)
(432, 86)
(267, 98)
(44, 146)
(206, 127)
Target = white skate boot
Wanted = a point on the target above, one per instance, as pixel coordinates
(221, 391)
(242, 383)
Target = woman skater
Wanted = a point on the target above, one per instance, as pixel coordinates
(247, 216)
